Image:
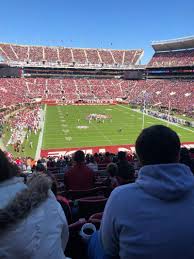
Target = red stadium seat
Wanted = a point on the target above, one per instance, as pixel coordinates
(66, 207)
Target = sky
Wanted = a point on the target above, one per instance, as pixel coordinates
(117, 24)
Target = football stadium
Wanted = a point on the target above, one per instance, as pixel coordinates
(97, 151)
(94, 99)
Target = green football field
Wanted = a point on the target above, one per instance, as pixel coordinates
(68, 126)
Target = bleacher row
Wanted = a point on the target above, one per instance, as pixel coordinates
(173, 58)
(156, 92)
(23, 90)
(67, 56)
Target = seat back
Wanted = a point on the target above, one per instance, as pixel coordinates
(66, 207)
(77, 194)
(91, 205)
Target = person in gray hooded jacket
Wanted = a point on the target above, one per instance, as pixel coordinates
(153, 217)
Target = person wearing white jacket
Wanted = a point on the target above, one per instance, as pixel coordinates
(32, 222)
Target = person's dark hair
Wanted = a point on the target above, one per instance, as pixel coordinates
(87, 158)
(158, 145)
(186, 159)
(107, 154)
(40, 168)
(79, 156)
(184, 154)
(112, 169)
(7, 169)
(92, 159)
(122, 155)
(126, 171)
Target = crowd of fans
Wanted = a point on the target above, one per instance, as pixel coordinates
(21, 124)
(60, 164)
(68, 56)
(156, 92)
(161, 92)
(172, 59)
(148, 213)
(66, 90)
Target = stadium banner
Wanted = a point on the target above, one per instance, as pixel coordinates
(87, 150)
(54, 103)
(83, 102)
(99, 149)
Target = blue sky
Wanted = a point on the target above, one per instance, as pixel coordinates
(122, 24)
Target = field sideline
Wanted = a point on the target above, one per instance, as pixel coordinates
(62, 122)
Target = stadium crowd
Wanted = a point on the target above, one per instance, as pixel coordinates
(161, 92)
(172, 58)
(35, 55)
(140, 204)
(156, 92)
(21, 124)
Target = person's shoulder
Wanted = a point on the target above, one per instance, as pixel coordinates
(124, 191)
(54, 207)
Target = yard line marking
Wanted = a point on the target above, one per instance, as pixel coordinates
(65, 131)
(68, 138)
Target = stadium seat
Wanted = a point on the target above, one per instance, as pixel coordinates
(66, 207)
(77, 194)
(91, 205)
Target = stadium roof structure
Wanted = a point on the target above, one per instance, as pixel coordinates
(173, 44)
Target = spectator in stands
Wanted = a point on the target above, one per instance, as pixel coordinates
(186, 159)
(152, 218)
(122, 156)
(112, 171)
(126, 173)
(30, 216)
(96, 158)
(40, 168)
(191, 151)
(51, 163)
(92, 164)
(107, 158)
(79, 177)
(61, 199)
